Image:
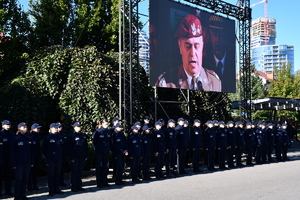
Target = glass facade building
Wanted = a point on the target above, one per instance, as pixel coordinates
(144, 50)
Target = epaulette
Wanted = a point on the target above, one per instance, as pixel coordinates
(213, 73)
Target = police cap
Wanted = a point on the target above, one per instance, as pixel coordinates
(35, 125)
(5, 122)
(21, 124)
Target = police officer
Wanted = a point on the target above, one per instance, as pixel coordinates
(182, 144)
(171, 145)
(101, 143)
(259, 142)
(249, 142)
(22, 159)
(35, 137)
(210, 144)
(231, 142)
(146, 122)
(159, 147)
(147, 151)
(270, 140)
(196, 144)
(278, 143)
(240, 143)
(52, 151)
(221, 144)
(134, 153)
(65, 148)
(7, 139)
(119, 145)
(78, 154)
(286, 141)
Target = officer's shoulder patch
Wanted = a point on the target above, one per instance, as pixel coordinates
(213, 73)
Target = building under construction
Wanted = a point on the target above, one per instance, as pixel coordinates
(261, 35)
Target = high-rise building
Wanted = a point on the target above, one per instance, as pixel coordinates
(266, 55)
(144, 50)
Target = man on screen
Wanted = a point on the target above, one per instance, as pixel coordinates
(191, 74)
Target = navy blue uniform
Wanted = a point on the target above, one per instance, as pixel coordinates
(158, 138)
(7, 176)
(36, 139)
(171, 145)
(78, 153)
(278, 144)
(250, 143)
(231, 142)
(264, 149)
(52, 151)
(271, 141)
(240, 143)
(258, 143)
(285, 144)
(182, 145)
(146, 154)
(1, 160)
(196, 145)
(101, 143)
(135, 153)
(65, 152)
(210, 145)
(221, 144)
(21, 159)
(119, 148)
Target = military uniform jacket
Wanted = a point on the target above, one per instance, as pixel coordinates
(21, 151)
(182, 137)
(52, 146)
(258, 137)
(249, 137)
(119, 142)
(65, 145)
(285, 136)
(159, 143)
(171, 140)
(209, 138)
(270, 136)
(1, 148)
(101, 140)
(210, 80)
(231, 137)
(196, 137)
(78, 146)
(36, 143)
(7, 139)
(278, 137)
(240, 141)
(134, 143)
(221, 138)
(147, 144)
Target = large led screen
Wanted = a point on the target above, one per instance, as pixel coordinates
(191, 48)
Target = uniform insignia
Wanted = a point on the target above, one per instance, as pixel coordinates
(77, 138)
(29, 142)
(145, 141)
(196, 133)
(118, 140)
(20, 143)
(34, 142)
(52, 141)
(158, 136)
(4, 139)
(133, 141)
(101, 136)
(1, 143)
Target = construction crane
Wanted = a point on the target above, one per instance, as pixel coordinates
(266, 21)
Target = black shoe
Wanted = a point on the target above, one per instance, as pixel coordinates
(74, 190)
(9, 194)
(100, 186)
(24, 197)
(35, 188)
(51, 194)
(63, 184)
(120, 183)
(185, 172)
(106, 185)
(80, 189)
(58, 192)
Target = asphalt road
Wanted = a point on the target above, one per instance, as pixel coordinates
(278, 180)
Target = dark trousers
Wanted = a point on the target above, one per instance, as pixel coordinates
(63, 169)
(146, 167)
(120, 161)
(239, 151)
(134, 167)
(249, 154)
(6, 175)
(32, 181)
(230, 156)
(196, 159)
(284, 152)
(21, 179)
(278, 150)
(222, 156)
(270, 150)
(258, 156)
(76, 173)
(1, 177)
(101, 168)
(264, 150)
(170, 162)
(53, 172)
(159, 162)
(210, 158)
(181, 157)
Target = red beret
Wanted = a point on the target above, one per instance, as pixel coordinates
(190, 26)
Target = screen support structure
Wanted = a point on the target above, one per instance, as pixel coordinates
(129, 102)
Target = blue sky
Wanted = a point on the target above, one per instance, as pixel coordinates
(285, 12)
